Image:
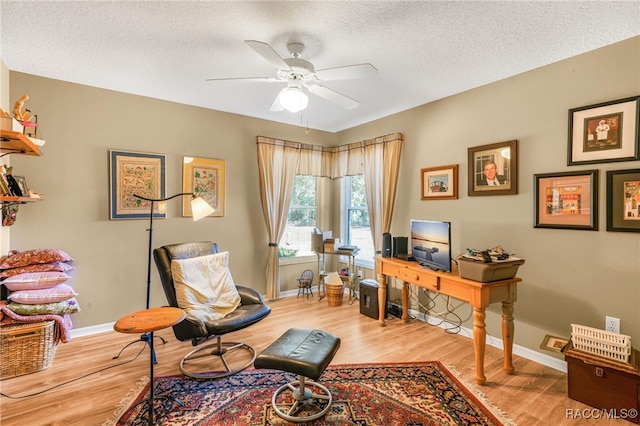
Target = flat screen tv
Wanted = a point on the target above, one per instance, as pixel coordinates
(431, 244)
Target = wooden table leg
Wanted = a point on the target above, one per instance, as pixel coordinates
(479, 343)
(507, 336)
(405, 301)
(382, 297)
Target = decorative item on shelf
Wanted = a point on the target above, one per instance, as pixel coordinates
(13, 184)
(29, 121)
(329, 245)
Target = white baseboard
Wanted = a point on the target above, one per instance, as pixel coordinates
(549, 361)
(531, 355)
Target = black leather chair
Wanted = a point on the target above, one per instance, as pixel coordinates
(251, 310)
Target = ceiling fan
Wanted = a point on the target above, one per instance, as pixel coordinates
(299, 73)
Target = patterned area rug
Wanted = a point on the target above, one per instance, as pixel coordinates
(407, 394)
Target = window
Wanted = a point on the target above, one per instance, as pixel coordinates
(302, 218)
(358, 230)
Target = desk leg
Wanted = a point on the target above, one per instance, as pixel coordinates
(382, 298)
(405, 301)
(507, 336)
(479, 343)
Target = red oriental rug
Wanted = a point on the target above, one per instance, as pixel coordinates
(408, 394)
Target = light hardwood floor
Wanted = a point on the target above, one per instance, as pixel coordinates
(533, 395)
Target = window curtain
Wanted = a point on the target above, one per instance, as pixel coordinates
(277, 165)
(381, 168)
(280, 161)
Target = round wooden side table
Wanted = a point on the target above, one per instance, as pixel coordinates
(148, 321)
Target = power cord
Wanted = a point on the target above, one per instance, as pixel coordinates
(75, 379)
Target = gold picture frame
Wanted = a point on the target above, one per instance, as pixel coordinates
(553, 343)
(439, 183)
(204, 177)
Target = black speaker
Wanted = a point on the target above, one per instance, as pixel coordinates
(400, 247)
(386, 244)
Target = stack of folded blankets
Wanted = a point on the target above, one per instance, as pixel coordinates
(38, 289)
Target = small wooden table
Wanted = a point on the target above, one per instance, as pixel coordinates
(478, 294)
(148, 321)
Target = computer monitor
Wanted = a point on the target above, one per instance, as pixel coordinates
(431, 244)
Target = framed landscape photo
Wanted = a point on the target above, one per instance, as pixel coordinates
(135, 173)
(623, 200)
(566, 200)
(493, 169)
(439, 183)
(605, 132)
(204, 177)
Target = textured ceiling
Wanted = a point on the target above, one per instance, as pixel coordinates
(424, 50)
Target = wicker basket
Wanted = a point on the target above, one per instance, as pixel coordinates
(26, 348)
(603, 343)
(335, 294)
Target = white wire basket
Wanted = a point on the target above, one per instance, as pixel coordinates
(603, 343)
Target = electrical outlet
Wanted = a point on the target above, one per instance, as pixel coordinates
(612, 324)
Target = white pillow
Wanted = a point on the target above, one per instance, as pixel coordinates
(204, 287)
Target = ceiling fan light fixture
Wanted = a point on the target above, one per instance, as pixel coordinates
(293, 99)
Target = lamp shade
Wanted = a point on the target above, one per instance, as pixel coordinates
(293, 99)
(200, 208)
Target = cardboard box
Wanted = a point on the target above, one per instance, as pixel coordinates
(10, 123)
(604, 384)
(486, 272)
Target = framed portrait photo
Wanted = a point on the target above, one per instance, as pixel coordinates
(605, 132)
(623, 200)
(439, 183)
(493, 169)
(135, 173)
(204, 177)
(566, 200)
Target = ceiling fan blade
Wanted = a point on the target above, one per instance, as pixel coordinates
(333, 96)
(247, 79)
(276, 105)
(348, 72)
(267, 52)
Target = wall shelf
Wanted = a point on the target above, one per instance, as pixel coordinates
(16, 143)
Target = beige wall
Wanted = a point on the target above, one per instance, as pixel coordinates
(569, 276)
(81, 124)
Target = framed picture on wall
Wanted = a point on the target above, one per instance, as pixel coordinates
(439, 183)
(493, 169)
(566, 200)
(605, 132)
(135, 173)
(205, 177)
(623, 200)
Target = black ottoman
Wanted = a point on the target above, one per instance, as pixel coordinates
(305, 352)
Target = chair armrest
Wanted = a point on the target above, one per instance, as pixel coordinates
(249, 296)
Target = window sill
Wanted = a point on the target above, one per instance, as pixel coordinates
(297, 260)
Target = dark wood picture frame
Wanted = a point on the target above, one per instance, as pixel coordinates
(500, 160)
(604, 133)
(566, 200)
(439, 183)
(623, 200)
(135, 173)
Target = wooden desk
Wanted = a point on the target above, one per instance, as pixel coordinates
(478, 295)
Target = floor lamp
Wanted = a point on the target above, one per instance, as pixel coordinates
(199, 209)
